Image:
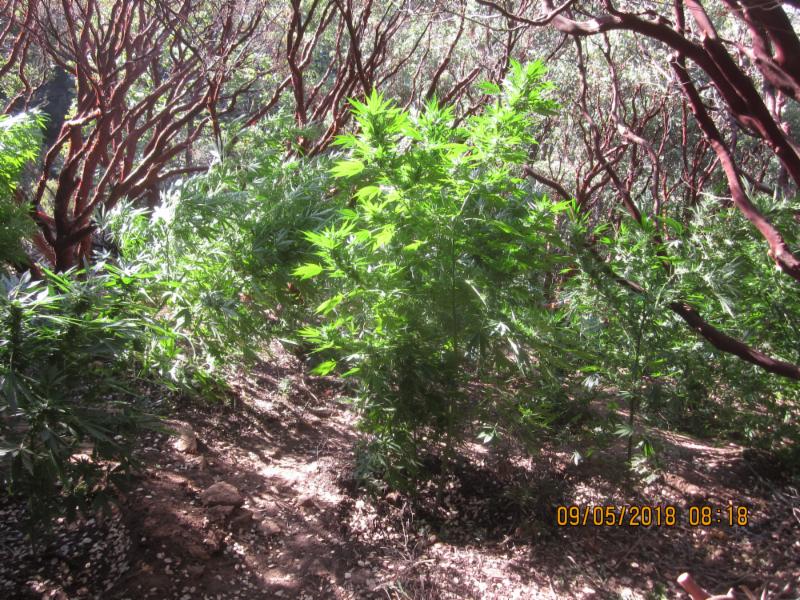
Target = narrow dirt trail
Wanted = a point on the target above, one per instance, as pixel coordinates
(287, 520)
(302, 530)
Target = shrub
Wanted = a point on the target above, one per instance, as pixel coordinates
(435, 267)
(75, 345)
(645, 351)
(222, 245)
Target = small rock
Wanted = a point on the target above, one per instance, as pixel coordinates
(321, 412)
(219, 513)
(186, 438)
(307, 500)
(221, 493)
(198, 551)
(214, 542)
(269, 527)
(243, 519)
(267, 508)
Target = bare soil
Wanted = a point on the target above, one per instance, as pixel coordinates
(306, 530)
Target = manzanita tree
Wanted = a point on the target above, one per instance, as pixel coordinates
(754, 77)
(149, 78)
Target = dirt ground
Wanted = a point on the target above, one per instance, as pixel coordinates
(304, 530)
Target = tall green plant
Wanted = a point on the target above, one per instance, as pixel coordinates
(436, 266)
(73, 346)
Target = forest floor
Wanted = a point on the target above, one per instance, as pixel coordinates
(304, 530)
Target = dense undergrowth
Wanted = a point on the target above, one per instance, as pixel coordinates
(416, 261)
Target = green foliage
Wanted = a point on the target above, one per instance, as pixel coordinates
(435, 267)
(417, 261)
(221, 247)
(73, 344)
(178, 304)
(19, 144)
(743, 294)
(646, 351)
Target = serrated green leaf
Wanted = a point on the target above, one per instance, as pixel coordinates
(369, 192)
(307, 271)
(347, 168)
(324, 368)
(383, 236)
(329, 304)
(413, 246)
(489, 87)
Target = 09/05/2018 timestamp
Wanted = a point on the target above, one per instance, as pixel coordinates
(651, 516)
